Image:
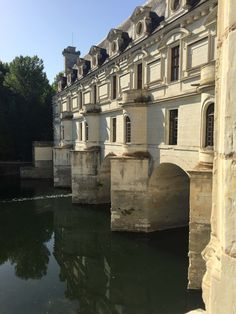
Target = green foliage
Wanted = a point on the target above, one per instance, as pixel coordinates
(25, 107)
(55, 81)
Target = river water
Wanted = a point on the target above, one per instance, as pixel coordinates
(60, 258)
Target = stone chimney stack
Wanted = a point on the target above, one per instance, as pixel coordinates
(70, 55)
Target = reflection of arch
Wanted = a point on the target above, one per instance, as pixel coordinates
(168, 188)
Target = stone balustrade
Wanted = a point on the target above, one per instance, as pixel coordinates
(135, 96)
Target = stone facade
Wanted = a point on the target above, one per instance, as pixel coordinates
(134, 120)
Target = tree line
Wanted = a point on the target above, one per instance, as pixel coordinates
(25, 107)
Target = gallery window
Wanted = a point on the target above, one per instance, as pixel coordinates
(80, 131)
(173, 127)
(62, 132)
(139, 76)
(174, 63)
(95, 94)
(210, 125)
(127, 130)
(113, 135)
(80, 100)
(114, 87)
(86, 132)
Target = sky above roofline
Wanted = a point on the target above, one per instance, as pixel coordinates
(45, 28)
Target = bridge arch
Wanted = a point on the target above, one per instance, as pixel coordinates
(168, 190)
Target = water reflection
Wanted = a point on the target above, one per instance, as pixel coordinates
(23, 237)
(74, 264)
(123, 274)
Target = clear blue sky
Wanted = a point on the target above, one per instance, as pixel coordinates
(45, 27)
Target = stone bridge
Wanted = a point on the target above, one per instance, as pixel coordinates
(134, 124)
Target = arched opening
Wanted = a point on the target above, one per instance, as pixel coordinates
(209, 140)
(169, 197)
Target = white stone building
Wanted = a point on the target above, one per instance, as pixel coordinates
(134, 122)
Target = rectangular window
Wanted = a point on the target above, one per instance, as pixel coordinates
(175, 63)
(81, 131)
(114, 87)
(139, 76)
(86, 132)
(62, 132)
(113, 130)
(173, 127)
(80, 100)
(94, 94)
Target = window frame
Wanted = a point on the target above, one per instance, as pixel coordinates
(139, 76)
(175, 76)
(172, 127)
(113, 129)
(86, 131)
(114, 87)
(127, 130)
(209, 129)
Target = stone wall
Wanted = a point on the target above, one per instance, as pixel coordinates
(219, 284)
(199, 225)
(62, 167)
(90, 178)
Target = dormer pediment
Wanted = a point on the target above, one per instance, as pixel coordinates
(71, 76)
(144, 21)
(140, 12)
(114, 34)
(98, 56)
(83, 67)
(118, 41)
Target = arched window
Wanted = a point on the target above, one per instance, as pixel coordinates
(210, 125)
(127, 130)
(86, 132)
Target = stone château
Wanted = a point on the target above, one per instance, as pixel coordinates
(134, 123)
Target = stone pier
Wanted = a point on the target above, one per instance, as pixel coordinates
(62, 166)
(199, 224)
(143, 200)
(90, 178)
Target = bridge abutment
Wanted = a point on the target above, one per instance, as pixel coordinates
(199, 225)
(90, 179)
(140, 203)
(129, 200)
(62, 166)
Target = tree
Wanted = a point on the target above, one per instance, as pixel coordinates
(56, 80)
(29, 104)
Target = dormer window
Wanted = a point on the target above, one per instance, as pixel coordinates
(83, 67)
(144, 21)
(94, 61)
(98, 56)
(118, 41)
(175, 5)
(114, 46)
(139, 28)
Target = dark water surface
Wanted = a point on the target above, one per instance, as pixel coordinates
(60, 258)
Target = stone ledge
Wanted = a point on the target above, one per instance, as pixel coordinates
(196, 311)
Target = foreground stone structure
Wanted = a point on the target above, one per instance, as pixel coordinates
(42, 167)
(219, 284)
(134, 122)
